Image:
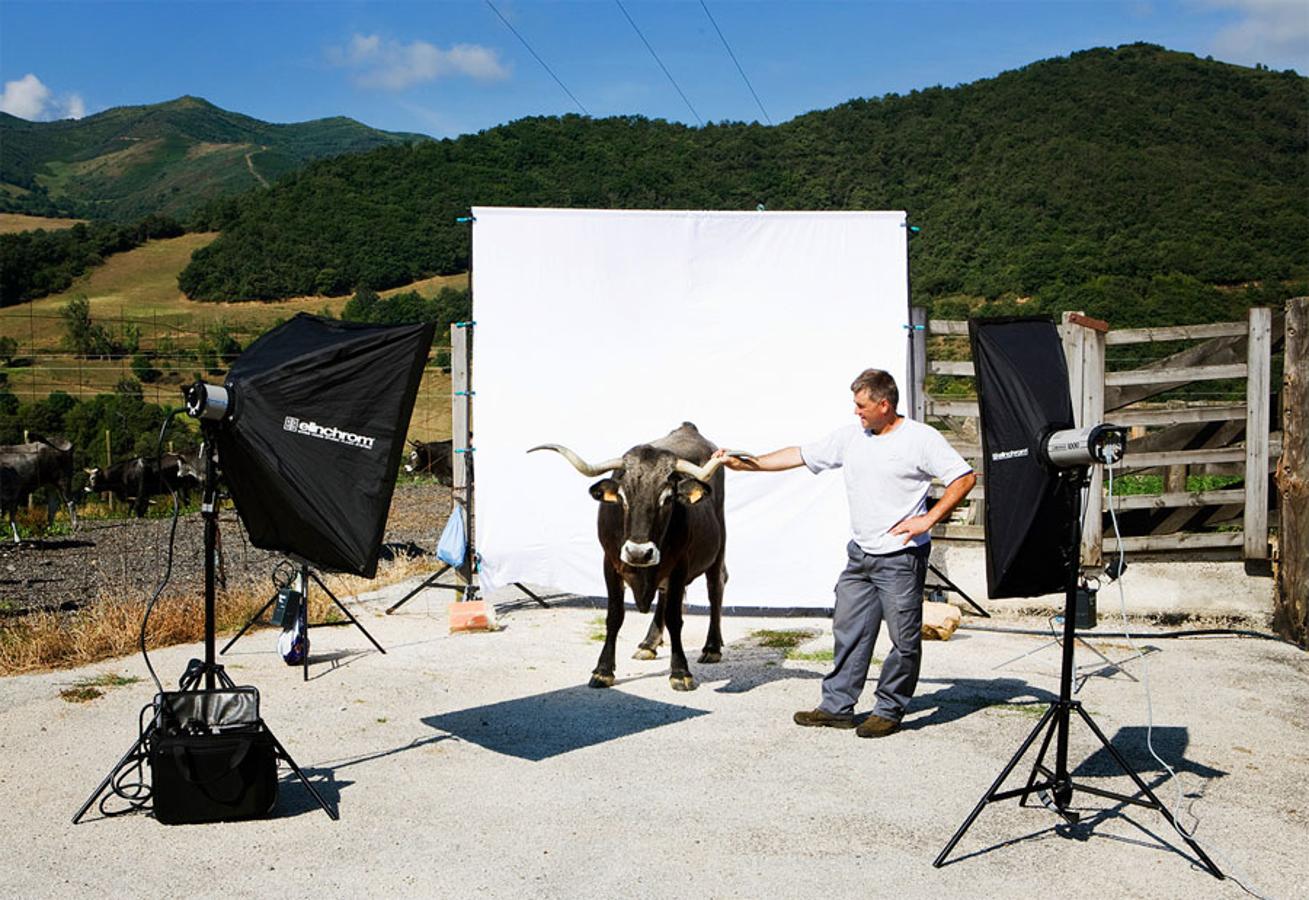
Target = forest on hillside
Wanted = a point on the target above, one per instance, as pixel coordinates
(1134, 172)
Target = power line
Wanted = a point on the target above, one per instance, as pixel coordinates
(660, 62)
(738, 64)
(538, 58)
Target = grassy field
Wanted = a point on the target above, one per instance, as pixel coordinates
(139, 289)
(12, 222)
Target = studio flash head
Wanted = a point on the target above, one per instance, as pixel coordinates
(207, 401)
(1085, 446)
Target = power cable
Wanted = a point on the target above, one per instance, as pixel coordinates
(538, 58)
(722, 38)
(672, 80)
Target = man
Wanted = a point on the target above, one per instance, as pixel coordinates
(889, 464)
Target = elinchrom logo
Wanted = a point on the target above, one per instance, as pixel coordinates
(1008, 454)
(328, 433)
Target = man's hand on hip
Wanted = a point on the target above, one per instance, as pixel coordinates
(913, 526)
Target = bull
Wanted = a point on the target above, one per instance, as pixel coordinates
(142, 478)
(661, 525)
(26, 467)
(432, 457)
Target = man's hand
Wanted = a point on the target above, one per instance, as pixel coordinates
(913, 526)
(737, 461)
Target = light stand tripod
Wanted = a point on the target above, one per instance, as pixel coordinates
(209, 672)
(303, 577)
(1056, 787)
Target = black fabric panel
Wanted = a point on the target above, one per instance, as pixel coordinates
(1023, 394)
(323, 496)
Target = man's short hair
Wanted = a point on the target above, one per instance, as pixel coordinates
(879, 385)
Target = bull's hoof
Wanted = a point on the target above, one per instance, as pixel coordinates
(644, 652)
(711, 656)
(682, 682)
(599, 680)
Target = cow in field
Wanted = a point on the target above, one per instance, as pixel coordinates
(432, 457)
(142, 478)
(661, 526)
(26, 467)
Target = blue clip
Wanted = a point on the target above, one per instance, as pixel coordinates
(914, 327)
(463, 324)
(464, 220)
(465, 393)
(465, 450)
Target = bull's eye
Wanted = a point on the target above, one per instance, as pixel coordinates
(665, 495)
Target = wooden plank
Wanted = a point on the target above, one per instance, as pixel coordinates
(1178, 415)
(918, 363)
(948, 327)
(1179, 541)
(954, 407)
(1099, 325)
(977, 493)
(959, 532)
(1183, 457)
(1257, 404)
(1176, 333)
(1291, 597)
(1177, 500)
(949, 367)
(1093, 374)
(1177, 374)
(461, 493)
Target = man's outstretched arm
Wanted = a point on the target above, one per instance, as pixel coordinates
(777, 461)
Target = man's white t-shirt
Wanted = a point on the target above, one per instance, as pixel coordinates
(887, 476)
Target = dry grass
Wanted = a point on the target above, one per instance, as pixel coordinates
(109, 628)
(14, 222)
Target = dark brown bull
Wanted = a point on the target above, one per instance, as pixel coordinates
(26, 467)
(143, 478)
(431, 457)
(661, 524)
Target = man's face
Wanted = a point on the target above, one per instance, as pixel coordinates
(874, 415)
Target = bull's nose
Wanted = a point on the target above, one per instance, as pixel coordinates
(640, 554)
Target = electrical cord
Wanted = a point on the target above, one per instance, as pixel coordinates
(1230, 871)
(130, 783)
(168, 570)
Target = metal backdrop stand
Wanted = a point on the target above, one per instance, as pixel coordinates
(1056, 787)
(949, 585)
(303, 577)
(461, 345)
(208, 671)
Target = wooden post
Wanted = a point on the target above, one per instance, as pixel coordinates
(1084, 343)
(461, 434)
(109, 461)
(1291, 597)
(918, 363)
(1258, 361)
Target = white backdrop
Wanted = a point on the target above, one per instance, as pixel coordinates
(601, 330)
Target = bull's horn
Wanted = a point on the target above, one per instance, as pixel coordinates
(701, 473)
(580, 464)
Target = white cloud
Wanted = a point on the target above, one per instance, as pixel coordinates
(392, 65)
(1274, 32)
(29, 98)
(25, 98)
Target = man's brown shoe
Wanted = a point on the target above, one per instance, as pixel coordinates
(876, 726)
(811, 718)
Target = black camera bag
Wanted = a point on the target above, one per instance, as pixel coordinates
(211, 758)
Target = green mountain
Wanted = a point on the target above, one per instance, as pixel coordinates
(166, 158)
(1080, 180)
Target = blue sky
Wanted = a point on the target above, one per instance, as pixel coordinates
(451, 67)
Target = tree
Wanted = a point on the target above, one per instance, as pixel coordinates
(81, 335)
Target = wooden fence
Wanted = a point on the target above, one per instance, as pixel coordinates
(1173, 435)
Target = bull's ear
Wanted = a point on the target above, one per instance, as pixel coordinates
(605, 490)
(690, 491)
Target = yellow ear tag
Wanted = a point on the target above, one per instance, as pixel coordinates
(694, 494)
(611, 497)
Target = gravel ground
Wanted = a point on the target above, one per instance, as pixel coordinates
(126, 557)
(482, 765)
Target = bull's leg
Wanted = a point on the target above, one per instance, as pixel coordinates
(603, 675)
(679, 675)
(141, 504)
(51, 506)
(71, 503)
(13, 526)
(649, 648)
(713, 645)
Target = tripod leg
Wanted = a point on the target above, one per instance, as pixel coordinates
(1024, 655)
(1037, 767)
(246, 627)
(282, 754)
(954, 587)
(523, 588)
(95, 795)
(341, 606)
(1145, 789)
(430, 581)
(995, 787)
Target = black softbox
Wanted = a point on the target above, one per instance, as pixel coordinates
(310, 449)
(1022, 394)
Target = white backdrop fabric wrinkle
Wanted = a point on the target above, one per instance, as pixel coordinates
(603, 329)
